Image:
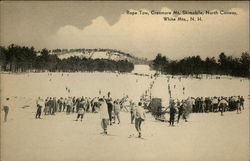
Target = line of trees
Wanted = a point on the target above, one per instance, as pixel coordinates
(22, 59)
(224, 65)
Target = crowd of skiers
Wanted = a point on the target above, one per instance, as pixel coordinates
(217, 104)
(203, 105)
(73, 104)
(108, 109)
(69, 105)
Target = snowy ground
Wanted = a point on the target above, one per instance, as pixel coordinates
(80, 84)
(59, 138)
(204, 137)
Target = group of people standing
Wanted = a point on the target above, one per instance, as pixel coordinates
(182, 108)
(108, 109)
(203, 105)
(217, 104)
(68, 105)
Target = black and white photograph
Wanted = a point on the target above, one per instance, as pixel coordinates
(124, 80)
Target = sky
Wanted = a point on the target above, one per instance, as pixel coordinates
(78, 24)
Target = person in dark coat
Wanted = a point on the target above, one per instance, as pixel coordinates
(60, 103)
(132, 112)
(50, 102)
(46, 108)
(78, 102)
(242, 102)
(6, 107)
(180, 110)
(196, 105)
(172, 113)
(74, 104)
(81, 110)
(53, 106)
(110, 107)
(238, 106)
(64, 104)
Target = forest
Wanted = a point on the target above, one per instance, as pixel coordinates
(16, 58)
(194, 65)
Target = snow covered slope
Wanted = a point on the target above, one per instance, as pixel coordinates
(98, 54)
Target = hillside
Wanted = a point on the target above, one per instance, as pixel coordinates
(110, 54)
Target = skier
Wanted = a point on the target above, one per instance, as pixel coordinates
(172, 113)
(40, 104)
(81, 110)
(6, 107)
(104, 115)
(139, 117)
(117, 109)
(110, 107)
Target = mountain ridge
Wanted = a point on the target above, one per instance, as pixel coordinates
(111, 54)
